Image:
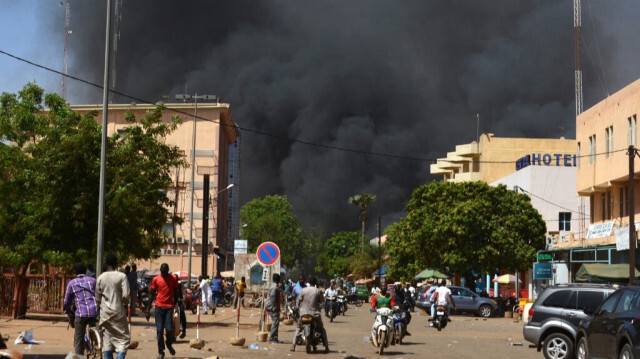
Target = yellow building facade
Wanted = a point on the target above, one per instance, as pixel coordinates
(603, 133)
(215, 132)
(493, 157)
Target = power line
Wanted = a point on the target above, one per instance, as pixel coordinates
(267, 134)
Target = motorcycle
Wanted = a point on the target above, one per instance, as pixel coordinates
(311, 337)
(143, 297)
(354, 299)
(192, 300)
(382, 331)
(399, 324)
(291, 312)
(342, 304)
(441, 318)
(332, 308)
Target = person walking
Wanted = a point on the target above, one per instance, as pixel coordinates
(274, 299)
(180, 303)
(132, 277)
(112, 297)
(216, 291)
(163, 288)
(80, 293)
(310, 302)
(205, 292)
(241, 285)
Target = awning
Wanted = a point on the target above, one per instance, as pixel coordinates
(602, 272)
(431, 273)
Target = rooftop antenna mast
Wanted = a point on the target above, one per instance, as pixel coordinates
(116, 36)
(67, 32)
(577, 34)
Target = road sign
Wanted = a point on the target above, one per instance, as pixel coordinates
(265, 274)
(268, 253)
(542, 271)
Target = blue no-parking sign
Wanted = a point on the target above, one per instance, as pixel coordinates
(268, 253)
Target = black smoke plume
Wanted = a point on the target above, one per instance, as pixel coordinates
(394, 77)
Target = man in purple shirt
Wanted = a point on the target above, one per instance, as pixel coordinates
(80, 294)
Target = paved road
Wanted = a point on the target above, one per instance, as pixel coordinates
(465, 337)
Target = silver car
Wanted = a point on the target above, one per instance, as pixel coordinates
(466, 301)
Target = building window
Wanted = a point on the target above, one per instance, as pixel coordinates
(565, 221)
(632, 131)
(621, 200)
(592, 149)
(592, 205)
(603, 205)
(578, 155)
(608, 141)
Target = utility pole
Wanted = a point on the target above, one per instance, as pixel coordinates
(379, 251)
(577, 35)
(67, 32)
(632, 226)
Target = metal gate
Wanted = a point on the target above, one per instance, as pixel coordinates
(7, 285)
(46, 293)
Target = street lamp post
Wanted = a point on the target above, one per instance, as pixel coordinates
(195, 98)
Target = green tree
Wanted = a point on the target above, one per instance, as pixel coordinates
(271, 219)
(366, 262)
(335, 257)
(49, 179)
(363, 201)
(465, 226)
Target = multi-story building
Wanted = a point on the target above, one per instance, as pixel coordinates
(604, 133)
(216, 133)
(544, 169)
(495, 157)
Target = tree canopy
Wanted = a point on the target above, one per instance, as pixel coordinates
(335, 257)
(49, 181)
(465, 226)
(271, 219)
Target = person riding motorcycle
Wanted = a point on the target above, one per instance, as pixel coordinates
(309, 301)
(404, 302)
(382, 300)
(442, 297)
(329, 292)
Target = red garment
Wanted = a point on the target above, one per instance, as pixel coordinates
(164, 286)
(374, 300)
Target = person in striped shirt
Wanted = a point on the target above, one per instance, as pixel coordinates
(80, 294)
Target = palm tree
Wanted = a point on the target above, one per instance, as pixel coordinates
(362, 201)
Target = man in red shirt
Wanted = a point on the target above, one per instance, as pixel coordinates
(163, 288)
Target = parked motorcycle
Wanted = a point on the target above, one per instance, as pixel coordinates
(291, 312)
(342, 304)
(399, 324)
(354, 299)
(332, 308)
(143, 297)
(382, 331)
(310, 335)
(192, 300)
(441, 318)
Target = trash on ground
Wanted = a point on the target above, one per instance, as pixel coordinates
(254, 346)
(516, 344)
(26, 337)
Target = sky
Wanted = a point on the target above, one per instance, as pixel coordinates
(398, 83)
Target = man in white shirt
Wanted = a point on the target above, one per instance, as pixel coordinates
(207, 295)
(442, 296)
(329, 292)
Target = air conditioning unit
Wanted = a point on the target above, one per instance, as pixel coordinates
(551, 241)
(170, 240)
(162, 250)
(180, 240)
(169, 251)
(178, 251)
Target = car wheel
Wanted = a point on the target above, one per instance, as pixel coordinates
(582, 351)
(557, 346)
(626, 352)
(485, 310)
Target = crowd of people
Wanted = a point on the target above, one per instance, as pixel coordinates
(106, 301)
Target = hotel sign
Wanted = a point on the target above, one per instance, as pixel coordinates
(622, 237)
(600, 230)
(546, 159)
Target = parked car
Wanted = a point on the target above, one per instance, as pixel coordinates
(466, 301)
(612, 329)
(555, 316)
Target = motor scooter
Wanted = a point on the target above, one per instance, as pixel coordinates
(382, 331)
(311, 337)
(399, 324)
(332, 308)
(342, 304)
(441, 318)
